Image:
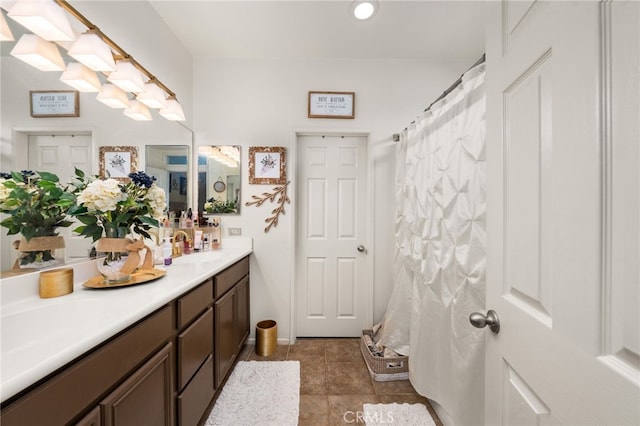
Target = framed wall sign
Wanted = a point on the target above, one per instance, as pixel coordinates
(118, 161)
(54, 103)
(331, 104)
(267, 165)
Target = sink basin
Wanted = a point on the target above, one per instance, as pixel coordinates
(44, 321)
(203, 257)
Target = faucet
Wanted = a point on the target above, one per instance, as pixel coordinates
(156, 233)
(177, 247)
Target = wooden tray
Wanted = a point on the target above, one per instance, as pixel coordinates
(138, 277)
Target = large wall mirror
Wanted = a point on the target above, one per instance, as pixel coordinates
(219, 179)
(170, 165)
(22, 137)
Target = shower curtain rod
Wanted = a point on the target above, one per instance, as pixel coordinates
(396, 136)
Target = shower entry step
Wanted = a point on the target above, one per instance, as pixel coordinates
(383, 369)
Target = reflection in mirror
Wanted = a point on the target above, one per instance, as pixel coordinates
(170, 165)
(219, 179)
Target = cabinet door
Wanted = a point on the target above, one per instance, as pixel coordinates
(242, 310)
(146, 397)
(224, 335)
(94, 418)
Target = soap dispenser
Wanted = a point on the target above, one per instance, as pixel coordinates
(216, 233)
(166, 251)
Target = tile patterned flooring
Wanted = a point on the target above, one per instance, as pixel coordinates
(335, 382)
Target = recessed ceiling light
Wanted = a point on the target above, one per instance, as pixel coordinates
(364, 9)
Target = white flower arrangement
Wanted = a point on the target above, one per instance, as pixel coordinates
(104, 205)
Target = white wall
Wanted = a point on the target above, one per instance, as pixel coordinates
(263, 102)
(150, 47)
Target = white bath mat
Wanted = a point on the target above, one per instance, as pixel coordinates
(260, 393)
(397, 414)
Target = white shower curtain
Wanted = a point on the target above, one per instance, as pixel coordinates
(441, 253)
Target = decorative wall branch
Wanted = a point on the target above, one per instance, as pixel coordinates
(271, 196)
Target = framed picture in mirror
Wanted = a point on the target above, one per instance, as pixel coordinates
(54, 103)
(267, 165)
(117, 161)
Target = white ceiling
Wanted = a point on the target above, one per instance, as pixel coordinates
(445, 30)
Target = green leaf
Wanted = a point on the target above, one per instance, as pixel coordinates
(10, 184)
(17, 176)
(88, 219)
(149, 220)
(79, 229)
(64, 203)
(7, 223)
(28, 232)
(48, 176)
(77, 210)
(94, 232)
(79, 173)
(11, 202)
(48, 186)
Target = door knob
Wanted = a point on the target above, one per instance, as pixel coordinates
(360, 248)
(480, 321)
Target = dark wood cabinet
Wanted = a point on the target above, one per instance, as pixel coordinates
(145, 398)
(231, 325)
(225, 347)
(164, 370)
(243, 324)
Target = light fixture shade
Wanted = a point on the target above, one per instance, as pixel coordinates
(364, 9)
(113, 96)
(127, 77)
(138, 111)
(173, 111)
(153, 96)
(90, 50)
(5, 31)
(44, 18)
(81, 78)
(39, 53)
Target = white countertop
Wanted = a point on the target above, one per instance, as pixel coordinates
(38, 336)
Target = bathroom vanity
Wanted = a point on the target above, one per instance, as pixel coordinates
(152, 354)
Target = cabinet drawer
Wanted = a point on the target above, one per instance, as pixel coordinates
(229, 277)
(195, 344)
(193, 303)
(194, 400)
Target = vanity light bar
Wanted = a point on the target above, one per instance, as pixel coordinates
(121, 53)
(171, 110)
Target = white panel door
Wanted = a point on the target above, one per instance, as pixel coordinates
(61, 154)
(332, 283)
(563, 215)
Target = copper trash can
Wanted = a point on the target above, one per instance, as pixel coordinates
(266, 337)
